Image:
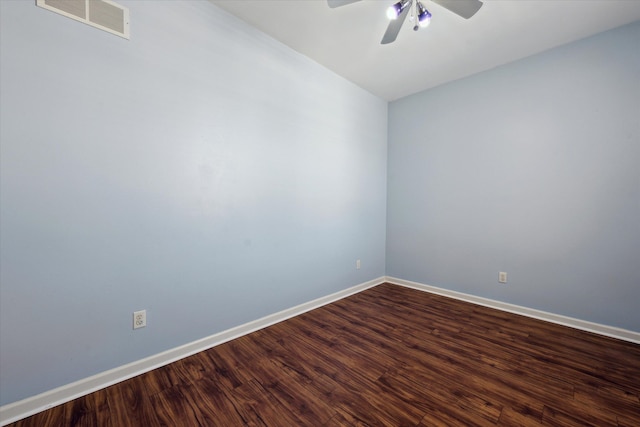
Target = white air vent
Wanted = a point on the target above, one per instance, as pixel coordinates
(103, 14)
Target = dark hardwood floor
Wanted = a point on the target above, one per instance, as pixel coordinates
(388, 356)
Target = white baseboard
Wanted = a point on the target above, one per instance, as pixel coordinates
(609, 331)
(32, 405)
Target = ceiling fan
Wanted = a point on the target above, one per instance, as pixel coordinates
(398, 12)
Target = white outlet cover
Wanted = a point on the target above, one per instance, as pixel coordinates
(139, 319)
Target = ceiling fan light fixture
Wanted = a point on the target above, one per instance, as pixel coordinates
(418, 15)
(395, 10)
(424, 16)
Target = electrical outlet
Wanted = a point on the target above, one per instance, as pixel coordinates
(139, 319)
(502, 277)
(357, 264)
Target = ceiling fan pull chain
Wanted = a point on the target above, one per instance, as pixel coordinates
(414, 16)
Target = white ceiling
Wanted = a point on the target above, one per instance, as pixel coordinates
(347, 39)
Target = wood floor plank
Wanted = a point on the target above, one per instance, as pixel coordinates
(171, 405)
(431, 398)
(520, 416)
(219, 371)
(607, 403)
(363, 402)
(212, 406)
(161, 379)
(567, 418)
(387, 356)
(257, 403)
(624, 421)
(52, 417)
(287, 359)
(129, 405)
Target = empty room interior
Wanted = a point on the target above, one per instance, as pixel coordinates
(221, 212)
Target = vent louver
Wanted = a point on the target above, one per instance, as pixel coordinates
(103, 14)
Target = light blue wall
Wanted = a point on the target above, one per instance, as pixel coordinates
(532, 168)
(201, 171)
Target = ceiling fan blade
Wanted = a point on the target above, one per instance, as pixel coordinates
(394, 27)
(464, 8)
(337, 3)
